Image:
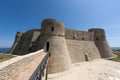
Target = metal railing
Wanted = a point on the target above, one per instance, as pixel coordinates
(39, 72)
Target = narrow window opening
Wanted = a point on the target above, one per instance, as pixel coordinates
(86, 58)
(73, 37)
(52, 29)
(76, 35)
(83, 39)
(47, 46)
(97, 39)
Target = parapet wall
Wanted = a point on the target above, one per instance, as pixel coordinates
(79, 35)
(8, 68)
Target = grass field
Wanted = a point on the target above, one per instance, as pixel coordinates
(4, 57)
(117, 52)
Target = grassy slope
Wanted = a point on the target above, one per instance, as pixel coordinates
(117, 52)
(4, 57)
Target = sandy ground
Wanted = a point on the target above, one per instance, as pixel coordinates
(99, 69)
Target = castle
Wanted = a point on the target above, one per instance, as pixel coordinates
(65, 46)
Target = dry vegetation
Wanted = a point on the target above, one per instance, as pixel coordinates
(4, 57)
(117, 52)
(8, 56)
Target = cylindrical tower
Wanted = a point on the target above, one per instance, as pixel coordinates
(52, 27)
(101, 43)
(56, 45)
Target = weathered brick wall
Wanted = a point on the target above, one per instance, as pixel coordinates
(8, 68)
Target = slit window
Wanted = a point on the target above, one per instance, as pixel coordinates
(73, 37)
(86, 58)
(76, 35)
(52, 29)
(97, 39)
(47, 46)
(83, 39)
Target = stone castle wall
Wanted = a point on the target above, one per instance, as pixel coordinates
(66, 46)
(101, 43)
(79, 35)
(25, 43)
(82, 50)
(17, 40)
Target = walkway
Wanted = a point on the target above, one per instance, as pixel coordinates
(26, 72)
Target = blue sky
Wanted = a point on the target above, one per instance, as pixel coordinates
(22, 15)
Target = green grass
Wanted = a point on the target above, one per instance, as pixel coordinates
(117, 52)
(4, 57)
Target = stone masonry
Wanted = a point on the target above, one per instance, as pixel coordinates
(65, 46)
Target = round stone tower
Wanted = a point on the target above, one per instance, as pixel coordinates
(52, 27)
(54, 33)
(101, 43)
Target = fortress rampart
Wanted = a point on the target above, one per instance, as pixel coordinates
(65, 46)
